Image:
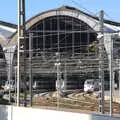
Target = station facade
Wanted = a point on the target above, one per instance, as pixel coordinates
(65, 44)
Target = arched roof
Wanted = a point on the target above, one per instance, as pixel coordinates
(66, 11)
(6, 31)
(92, 21)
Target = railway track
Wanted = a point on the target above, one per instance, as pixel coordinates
(80, 101)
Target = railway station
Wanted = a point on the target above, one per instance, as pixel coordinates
(64, 39)
(48, 60)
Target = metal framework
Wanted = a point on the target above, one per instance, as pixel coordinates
(51, 36)
(75, 42)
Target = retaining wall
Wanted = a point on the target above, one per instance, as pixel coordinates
(21, 113)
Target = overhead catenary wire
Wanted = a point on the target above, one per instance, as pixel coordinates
(69, 46)
(81, 6)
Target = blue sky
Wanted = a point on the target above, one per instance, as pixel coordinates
(8, 8)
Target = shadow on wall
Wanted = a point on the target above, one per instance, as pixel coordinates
(103, 117)
(3, 112)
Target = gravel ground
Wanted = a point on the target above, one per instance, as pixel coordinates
(79, 102)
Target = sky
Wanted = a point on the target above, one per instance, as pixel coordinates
(8, 8)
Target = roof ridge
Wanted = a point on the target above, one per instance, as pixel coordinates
(86, 13)
(8, 24)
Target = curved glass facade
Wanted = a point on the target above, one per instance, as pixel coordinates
(68, 36)
(62, 34)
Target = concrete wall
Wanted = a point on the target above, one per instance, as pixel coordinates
(21, 113)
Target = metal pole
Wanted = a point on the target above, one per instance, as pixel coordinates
(111, 76)
(21, 37)
(101, 64)
(65, 77)
(58, 32)
(58, 80)
(30, 69)
(24, 42)
(18, 54)
(58, 89)
(58, 61)
(44, 38)
(15, 70)
(9, 75)
(73, 38)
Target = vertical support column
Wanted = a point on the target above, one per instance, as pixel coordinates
(73, 38)
(109, 48)
(25, 51)
(101, 65)
(58, 32)
(9, 57)
(18, 53)
(65, 77)
(43, 38)
(10, 75)
(111, 75)
(65, 36)
(21, 35)
(88, 40)
(15, 73)
(51, 44)
(30, 67)
(58, 82)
